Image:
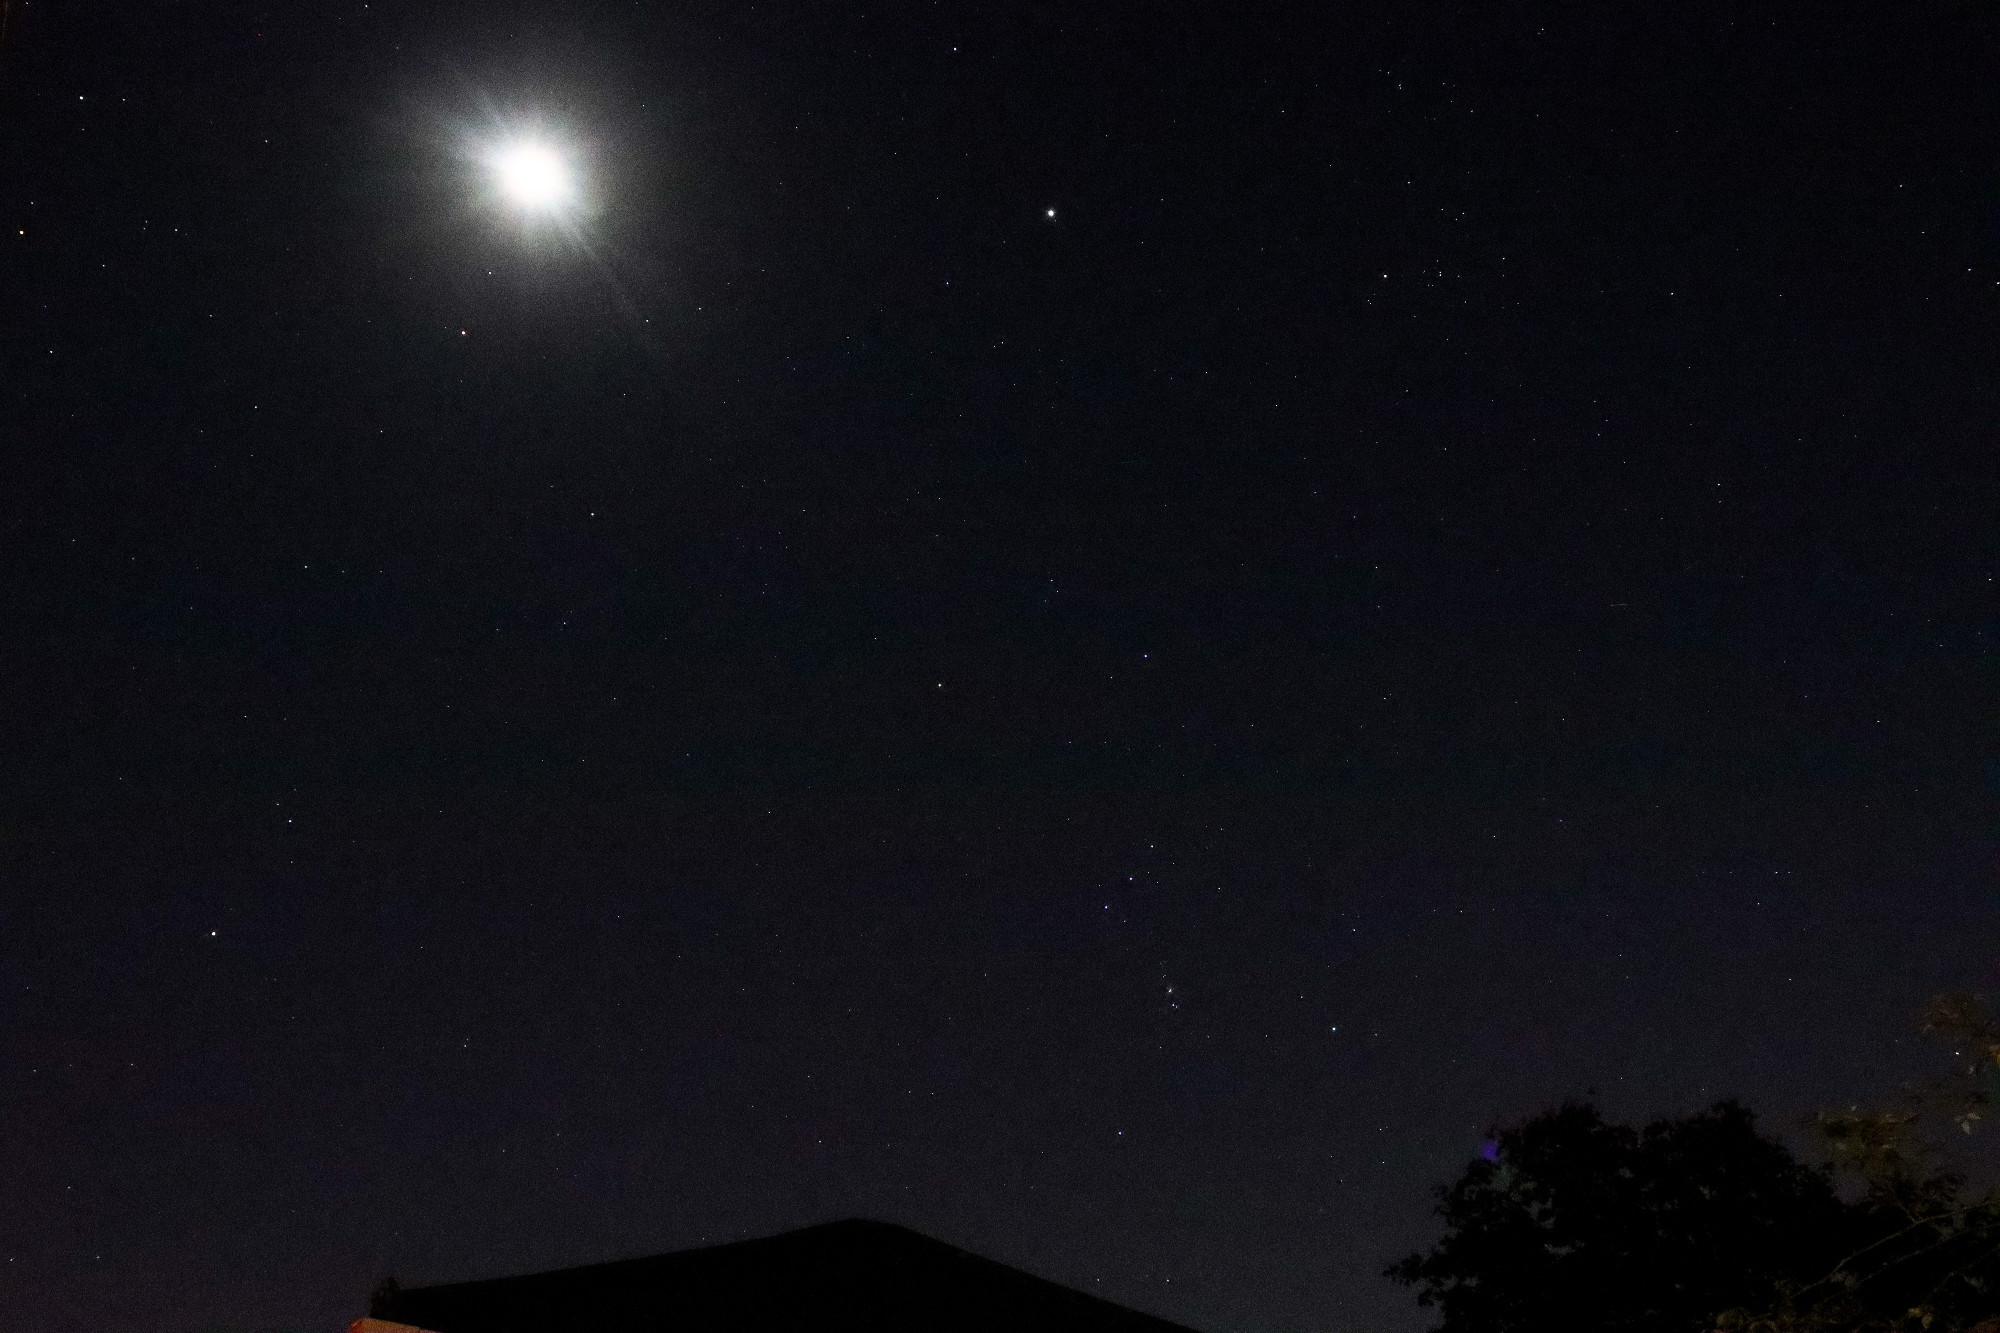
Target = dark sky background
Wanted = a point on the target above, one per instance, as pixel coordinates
(1457, 570)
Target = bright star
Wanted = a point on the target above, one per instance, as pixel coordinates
(534, 176)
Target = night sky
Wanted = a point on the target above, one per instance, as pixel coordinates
(1103, 630)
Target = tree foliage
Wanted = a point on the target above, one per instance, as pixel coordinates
(1700, 1223)
(1572, 1223)
(1935, 1266)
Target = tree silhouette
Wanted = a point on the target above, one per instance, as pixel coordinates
(1568, 1222)
(1934, 1267)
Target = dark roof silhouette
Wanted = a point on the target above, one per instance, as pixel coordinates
(843, 1275)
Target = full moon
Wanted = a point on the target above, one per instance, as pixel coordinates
(533, 176)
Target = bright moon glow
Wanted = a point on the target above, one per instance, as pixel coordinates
(533, 176)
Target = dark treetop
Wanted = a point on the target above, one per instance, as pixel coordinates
(1570, 1223)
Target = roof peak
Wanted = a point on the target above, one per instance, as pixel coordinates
(842, 1274)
